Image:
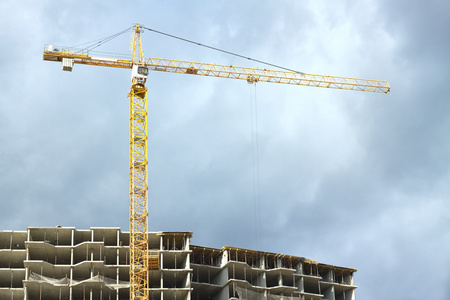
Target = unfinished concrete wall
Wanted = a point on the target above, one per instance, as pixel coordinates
(12, 270)
(170, 278)
(232, 273)
(66, 263)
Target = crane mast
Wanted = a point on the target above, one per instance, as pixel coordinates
(139, 258)
(138, 172)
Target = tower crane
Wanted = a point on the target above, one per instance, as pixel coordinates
(140, 67)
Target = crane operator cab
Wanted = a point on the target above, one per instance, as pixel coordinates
(139, 74)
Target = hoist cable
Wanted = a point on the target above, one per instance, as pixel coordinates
(255, 157)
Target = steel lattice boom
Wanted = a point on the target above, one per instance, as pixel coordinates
(216, 70)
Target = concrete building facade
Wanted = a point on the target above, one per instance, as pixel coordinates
(66, 263)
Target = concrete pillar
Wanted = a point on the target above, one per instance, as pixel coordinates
(225, 259)
(27, 257)
(261, 280)
(188, 261)
(72, 242)
(28, 240)
(161, 283)
(117, 262)
(329, 293)
(350, 295)
(299, 283)
(262, 262)
(71, 278)
(187, 243)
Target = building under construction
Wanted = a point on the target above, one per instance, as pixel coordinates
(67, 263)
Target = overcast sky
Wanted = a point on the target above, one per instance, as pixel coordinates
(347, 178)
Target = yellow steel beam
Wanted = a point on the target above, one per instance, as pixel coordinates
(139, 261)
(138, 193)
(266, 75)
(232, 72)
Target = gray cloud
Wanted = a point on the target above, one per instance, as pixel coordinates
(346, 178)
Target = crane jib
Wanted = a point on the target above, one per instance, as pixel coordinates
(223, 71)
